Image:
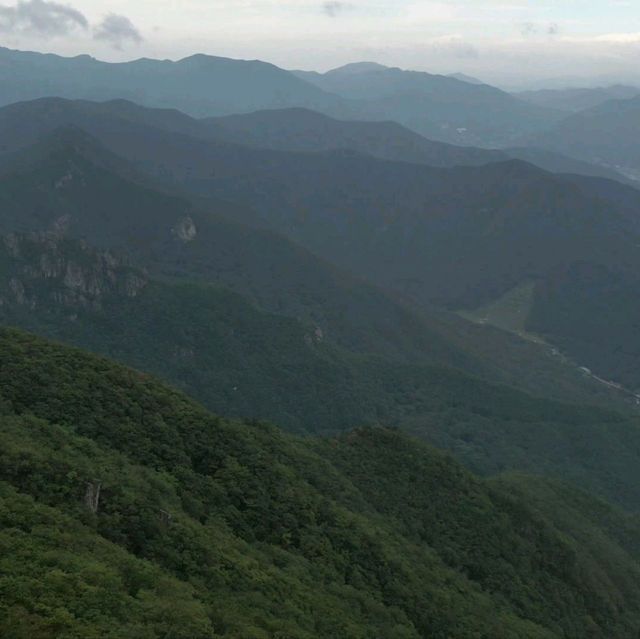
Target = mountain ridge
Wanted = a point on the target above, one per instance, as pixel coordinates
(458, 111)
(343, 192)
(233, 344)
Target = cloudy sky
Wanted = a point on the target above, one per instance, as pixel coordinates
(498, 40)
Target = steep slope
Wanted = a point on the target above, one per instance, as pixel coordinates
(70, 185)
(606, 135)
(461, 238)
(438, 107)
(289, 182)
(241, 361)
(200, 84)
(207, 528)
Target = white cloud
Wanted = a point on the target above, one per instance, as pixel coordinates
(117, 30)
(41, 18)
(334, 8)
(619, 38)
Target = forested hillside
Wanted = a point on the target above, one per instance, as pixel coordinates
(460, 237)
(128, 510)
(71, 186)
(242, 361)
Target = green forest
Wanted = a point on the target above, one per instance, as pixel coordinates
(206, 527)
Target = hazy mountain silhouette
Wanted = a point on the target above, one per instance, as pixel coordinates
(606, 135)
(199, 85)
(439, 107)
(573, 100)
(287, 130)
(460, 237)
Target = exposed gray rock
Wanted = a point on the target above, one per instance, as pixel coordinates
(185, 229)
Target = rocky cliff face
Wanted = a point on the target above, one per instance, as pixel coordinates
(47, 269)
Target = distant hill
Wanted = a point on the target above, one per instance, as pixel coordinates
(356, 68)
(265, 268)
(200, 85)
(556, 162)
(126, 509)
(331, 335)
(304, 130)
(415, 252)
(281, 129)
(573, 100)
(439, 107)
(605, 135)
(90, 194)
(409, 228)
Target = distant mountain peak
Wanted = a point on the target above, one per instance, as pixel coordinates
(355, 68)
(204, 58)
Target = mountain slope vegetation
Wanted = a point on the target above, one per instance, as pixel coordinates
(71, 186)
(368, 367)
(128, 128)
(304, 130)
(439, 107)
(457, 237)
(205, 527)
(426, 356)
(241, 361)
(606, 134)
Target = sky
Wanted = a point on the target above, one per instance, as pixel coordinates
(508, 42)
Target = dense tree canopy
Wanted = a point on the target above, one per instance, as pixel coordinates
(206, 527)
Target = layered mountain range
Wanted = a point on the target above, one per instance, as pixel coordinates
(313, 251)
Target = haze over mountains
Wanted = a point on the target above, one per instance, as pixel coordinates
(207, 85)
(574, 100)
(286, 129)
(380, 363)
(347, 199)
(439, 107)
(373, 259)
(606, 134)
